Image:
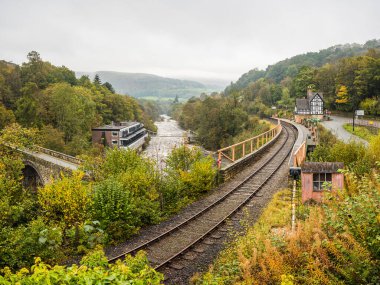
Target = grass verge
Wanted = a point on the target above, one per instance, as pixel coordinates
(366, 133)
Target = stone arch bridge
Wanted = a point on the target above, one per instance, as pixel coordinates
(42, 164)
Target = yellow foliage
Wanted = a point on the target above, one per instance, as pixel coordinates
(342, 95)
(66, 199)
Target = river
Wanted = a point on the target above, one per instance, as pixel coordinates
(169, 135)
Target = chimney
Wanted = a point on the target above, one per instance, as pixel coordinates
(309, 91)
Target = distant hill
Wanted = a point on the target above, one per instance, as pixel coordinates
(142, 85)
(290, 66)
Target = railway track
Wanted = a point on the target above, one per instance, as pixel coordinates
(164, 249)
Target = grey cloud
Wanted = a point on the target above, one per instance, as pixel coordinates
(198, 38)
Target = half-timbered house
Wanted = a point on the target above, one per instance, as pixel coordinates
(310, 107)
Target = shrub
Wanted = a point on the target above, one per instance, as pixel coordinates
(118, 161)
(188, 174)
(94, 270)
(86, 236)
(66, 199)
(113, 207)
(18, 246)
(354, 155)
(200, 177)
(181, 158)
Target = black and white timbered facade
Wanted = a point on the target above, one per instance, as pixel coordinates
(312, 105)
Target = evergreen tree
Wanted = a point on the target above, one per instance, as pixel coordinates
(97, 80)
(109, 87)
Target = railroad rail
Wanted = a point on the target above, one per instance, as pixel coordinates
(178, 240)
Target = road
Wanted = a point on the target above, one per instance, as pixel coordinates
(169, 135)
(336, 127)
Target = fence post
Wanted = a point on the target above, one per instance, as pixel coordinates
(233, 153)
(251, 145)
(219, 159)
(243, 149)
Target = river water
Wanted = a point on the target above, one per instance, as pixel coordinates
(169, 135)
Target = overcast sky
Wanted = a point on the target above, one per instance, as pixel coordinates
(219, 39)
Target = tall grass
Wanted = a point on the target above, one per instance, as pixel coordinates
(337, 243)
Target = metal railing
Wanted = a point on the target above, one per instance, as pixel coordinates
(246, 147)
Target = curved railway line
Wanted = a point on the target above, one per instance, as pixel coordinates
(168, 247)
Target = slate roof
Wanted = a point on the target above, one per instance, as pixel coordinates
(311, 95)
(322, 167)
(302, 104)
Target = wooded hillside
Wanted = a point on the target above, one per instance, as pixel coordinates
(64, 108)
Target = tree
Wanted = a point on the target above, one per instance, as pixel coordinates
(6, 116)
(303, 80)
(52, 138)
(371, 106)
(109, 86)
(97, 80)
(16, 204)
(10, 83)
(72, 109)
(342, 95)
(286, 101)
(29, 108)
(35, 71)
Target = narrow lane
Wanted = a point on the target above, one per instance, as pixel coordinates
(336, 127)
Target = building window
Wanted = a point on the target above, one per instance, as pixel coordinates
(316, 106)
(114, 142)
(322, 181)
(114, 134)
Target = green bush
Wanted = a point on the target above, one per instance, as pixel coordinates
(113, 207)
(188, 175)
(142, 184)
(86, 236)
(354, 155)
(181, 158)
(94, 269)
(128, 198)
(118, 161)
(18, 246)
(173, 195)
(200, 178)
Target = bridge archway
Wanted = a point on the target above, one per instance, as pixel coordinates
(32, 179)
